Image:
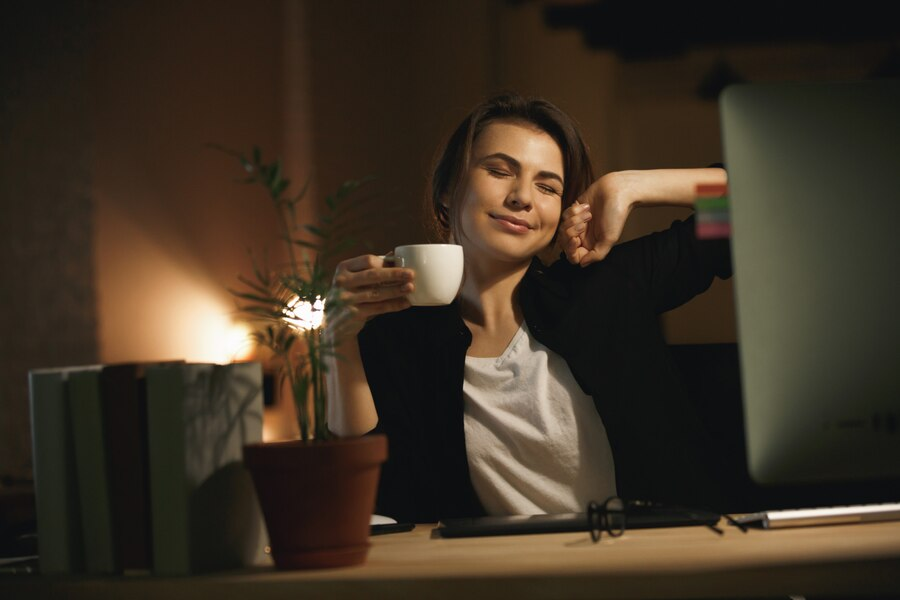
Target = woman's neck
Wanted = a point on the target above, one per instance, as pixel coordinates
(488, 296)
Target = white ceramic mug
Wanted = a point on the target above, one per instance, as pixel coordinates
(438, 268)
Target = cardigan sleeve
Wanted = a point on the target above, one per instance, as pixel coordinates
(673, 266)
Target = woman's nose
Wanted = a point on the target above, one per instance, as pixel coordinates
(520, 197)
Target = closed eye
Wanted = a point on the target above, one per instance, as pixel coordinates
(549, 189)
(495, 172)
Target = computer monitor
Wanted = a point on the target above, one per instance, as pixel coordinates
(814, 194)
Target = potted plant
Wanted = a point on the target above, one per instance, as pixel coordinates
(317, 493)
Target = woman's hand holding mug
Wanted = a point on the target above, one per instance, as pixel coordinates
(416, 275)
(367, 286)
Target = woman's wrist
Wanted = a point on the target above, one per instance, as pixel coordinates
(626, 188)
(670, 187)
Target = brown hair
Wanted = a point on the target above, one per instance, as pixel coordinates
(452, 165)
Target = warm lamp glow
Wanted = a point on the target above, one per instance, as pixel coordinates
(227, 341)
(175, 309)
(213, 335)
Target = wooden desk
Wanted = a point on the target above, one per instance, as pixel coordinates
(665, 563)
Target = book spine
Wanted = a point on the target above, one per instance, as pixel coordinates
(123, 392)
(56, 489)
(169, 508)
(91, 465)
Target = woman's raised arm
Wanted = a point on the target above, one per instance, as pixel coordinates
(365, 288)
(593, 224)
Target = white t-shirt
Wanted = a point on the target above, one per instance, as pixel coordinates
(534, 441)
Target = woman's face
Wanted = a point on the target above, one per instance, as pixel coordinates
(513, 193)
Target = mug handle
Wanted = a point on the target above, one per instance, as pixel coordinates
(392, 261)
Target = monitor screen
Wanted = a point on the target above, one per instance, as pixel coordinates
(814, 195)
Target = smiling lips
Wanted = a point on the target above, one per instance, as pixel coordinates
(512, 223)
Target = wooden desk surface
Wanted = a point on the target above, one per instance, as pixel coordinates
(678, 562)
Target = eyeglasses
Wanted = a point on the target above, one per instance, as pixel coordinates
(608, 517)
(732, 521)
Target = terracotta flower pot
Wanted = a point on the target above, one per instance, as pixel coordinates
(317, 498)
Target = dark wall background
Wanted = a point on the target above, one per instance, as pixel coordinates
(48, 310)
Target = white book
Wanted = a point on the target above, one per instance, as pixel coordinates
(92, 469)
(59, 530)
(203, 508)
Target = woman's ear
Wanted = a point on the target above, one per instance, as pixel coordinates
(446, 220)
(444, 210)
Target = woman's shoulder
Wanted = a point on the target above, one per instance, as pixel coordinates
(561, 272)
(637, 259)
(553, 287)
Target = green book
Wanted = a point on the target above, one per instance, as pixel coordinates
(92, 468)
(57, 509)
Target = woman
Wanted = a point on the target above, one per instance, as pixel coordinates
(541, 387)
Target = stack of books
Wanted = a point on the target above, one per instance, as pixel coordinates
(713, 217)
(138, 467)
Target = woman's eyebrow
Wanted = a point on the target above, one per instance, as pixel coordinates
(516, 164)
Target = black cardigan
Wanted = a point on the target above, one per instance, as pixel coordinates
(603, 320)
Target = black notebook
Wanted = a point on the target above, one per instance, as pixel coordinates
(638, 515)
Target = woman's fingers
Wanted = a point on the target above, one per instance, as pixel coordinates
(350, 318)
(574, 221)
(366, 288)
(376, 293)
(585, 240)
(576, 255)
(361, 263)
(368, 270)
(573, 228)
(575, 214)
